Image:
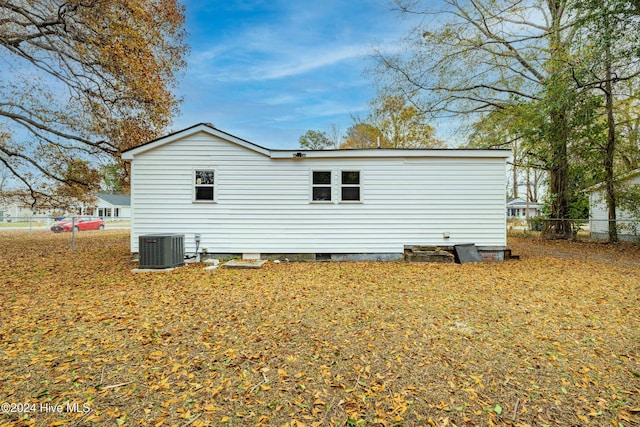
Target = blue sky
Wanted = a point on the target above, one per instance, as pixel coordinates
(267, 71)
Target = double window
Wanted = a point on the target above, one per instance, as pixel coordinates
(348, 186)
(204, 186)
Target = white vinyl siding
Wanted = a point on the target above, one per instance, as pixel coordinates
(263, 203)
(628, 224)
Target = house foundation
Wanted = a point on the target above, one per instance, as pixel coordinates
(444, 254)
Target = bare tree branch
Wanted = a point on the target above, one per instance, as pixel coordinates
(101, 75)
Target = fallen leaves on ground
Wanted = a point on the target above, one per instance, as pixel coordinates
(540, 341)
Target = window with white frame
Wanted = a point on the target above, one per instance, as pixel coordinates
(204, 185)
(321, 186)
(350, 186)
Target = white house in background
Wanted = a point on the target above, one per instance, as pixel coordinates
(12, 209)
(242, 198)
(628, 223)
(106, 206)
(112, 206)
(518, 208)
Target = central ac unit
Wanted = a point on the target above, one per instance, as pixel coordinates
(161, 250)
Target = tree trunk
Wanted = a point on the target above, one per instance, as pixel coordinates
(514, 172)
(559, 227)
(532, 187)
(609, 158)
(610, 148)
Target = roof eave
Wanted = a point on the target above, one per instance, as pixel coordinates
(201, 127)
(130, 154)
(388, 153)
(599, 186)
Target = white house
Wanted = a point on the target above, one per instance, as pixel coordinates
(112, 206)
(628, 222)
(521, 209)
(106, 206)
(242, 198)
(12, 209)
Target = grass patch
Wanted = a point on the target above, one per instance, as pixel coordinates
(547, 340)
(19, 224)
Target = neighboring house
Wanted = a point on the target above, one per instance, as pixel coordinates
(112, 206)
(12, 209)
(520, 209)
(242, 198)
(106, 206)
(628, 223)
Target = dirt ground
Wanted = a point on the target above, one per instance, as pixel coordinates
(550, 340)
(623, 255)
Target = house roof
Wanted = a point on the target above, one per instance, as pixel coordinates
(629, 175)
(511, 202)
(208, 128)
(115, 199)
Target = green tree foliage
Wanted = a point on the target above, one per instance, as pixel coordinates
(489, 55)
(498, 130)
(81, 81)
(315, 140)
(363, 135)
(114, 180)
(628, 113)
(402, 124)
(607, 36)
(628, 197)
(551, 75)
(392, 123)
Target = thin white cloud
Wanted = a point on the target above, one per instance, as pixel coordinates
(270, 71)
(302, 38)
(289, 62)
(306, 62)
(284, 99)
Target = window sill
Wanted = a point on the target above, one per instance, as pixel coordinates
(205, 202)
(321, 202)
(350, 202)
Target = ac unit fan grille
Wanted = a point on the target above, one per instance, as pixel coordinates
(161, 250)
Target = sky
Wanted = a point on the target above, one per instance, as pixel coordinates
(268, 71)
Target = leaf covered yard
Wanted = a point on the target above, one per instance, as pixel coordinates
(552, 339)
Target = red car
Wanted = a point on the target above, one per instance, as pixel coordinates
(80, 224)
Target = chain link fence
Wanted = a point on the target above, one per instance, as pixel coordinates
(67, 229)
(578, 229)
(64, 229)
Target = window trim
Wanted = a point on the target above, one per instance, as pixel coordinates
(359, 186)
(329, 186)
(214, 186)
